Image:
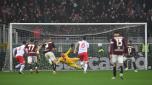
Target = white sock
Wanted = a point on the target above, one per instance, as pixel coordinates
(81, 63)
(22, 67)
(120, 74)
(18, 65)
(85, 67)
(50, 61)
(36, 67)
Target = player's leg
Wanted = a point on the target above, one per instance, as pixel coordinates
(85, 66)
(54, 67)
(114, 71)
(113, 61)
(35, 60)
(120, 62)
(21, 68)
(74, 65)
(85, 59)
(81, 60)
(29, 61)
(48, 56)
(18, 65)
(82, 64)
(53, 59)
(22, 63)
(125, 63)
(134, 64)
(75, 59)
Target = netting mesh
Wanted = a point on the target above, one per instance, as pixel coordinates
(64, 35)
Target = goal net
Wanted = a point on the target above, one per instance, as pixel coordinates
(63, 34)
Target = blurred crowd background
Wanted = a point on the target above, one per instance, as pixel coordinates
(87, 11)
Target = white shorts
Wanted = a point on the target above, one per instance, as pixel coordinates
(31, 59)
(50, 56)
(117, 59)
(130, 58)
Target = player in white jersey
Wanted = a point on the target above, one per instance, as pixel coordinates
(83, 52)
(19, 53)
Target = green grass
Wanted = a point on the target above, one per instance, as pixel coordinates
(75, 78)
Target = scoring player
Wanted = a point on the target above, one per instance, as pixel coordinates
(130, 56)
(32, 58)
(67, 60)
(49, 55)
(19, 53)
(83, 52)
(118, 48)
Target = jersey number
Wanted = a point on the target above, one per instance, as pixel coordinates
(31, 47)
(129, 50)
(119, 42)
(46, 46)
(82, 45)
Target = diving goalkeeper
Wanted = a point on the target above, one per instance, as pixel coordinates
(67, 60)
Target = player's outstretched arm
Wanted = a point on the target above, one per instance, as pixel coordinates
(68, 52)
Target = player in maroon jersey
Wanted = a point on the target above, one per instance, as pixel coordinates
(118, 48)
(32, 58)
(49, 55)
(130, 56)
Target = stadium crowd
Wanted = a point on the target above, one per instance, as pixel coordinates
(88, 11)
(76, 11)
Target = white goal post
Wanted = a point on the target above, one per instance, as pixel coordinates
(90, 24)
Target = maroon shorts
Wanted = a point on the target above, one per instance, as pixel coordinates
(20, 59)
(83, 56)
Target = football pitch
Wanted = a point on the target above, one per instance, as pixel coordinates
(75, 78)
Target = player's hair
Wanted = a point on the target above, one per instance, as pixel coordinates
(72, 45)
(130, 41)
(116, 32)
(84, 37)
(36, 42)
(24, 42)
(31, 40)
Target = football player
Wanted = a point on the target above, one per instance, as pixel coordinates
(67, 60)
(130, 56)
(118, 48)
(19, 53)
(32, 58)
(83, 52)
(49, 53)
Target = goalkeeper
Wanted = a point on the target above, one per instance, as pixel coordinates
(67, 60)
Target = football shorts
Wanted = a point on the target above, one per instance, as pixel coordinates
(31, 59)
(117, 59)
(50, 56)
(83, 56)
(20, 59)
